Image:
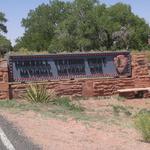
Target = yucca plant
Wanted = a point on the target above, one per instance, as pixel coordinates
(38, 94)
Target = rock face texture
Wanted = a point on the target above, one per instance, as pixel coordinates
(83, 87)
(4, 86)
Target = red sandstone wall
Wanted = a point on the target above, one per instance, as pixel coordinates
(62, 87)
(4, 80)
(84, 87)
(140, 73)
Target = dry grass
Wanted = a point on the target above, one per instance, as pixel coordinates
(110, 110)
(95, 127)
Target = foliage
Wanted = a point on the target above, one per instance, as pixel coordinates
(66, 102)
(83, 25)
(2, 21)
(25, 51)
(39, 94)
(142, 123)
(5, 44)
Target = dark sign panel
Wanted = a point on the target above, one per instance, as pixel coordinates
(59, 66)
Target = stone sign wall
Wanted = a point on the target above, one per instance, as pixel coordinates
(69, 66)
(82, 86)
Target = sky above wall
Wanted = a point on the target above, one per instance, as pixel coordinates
(15, 10)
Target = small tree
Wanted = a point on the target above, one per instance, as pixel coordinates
(2, 21)
(5, 46)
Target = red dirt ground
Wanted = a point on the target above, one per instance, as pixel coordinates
(54, 134)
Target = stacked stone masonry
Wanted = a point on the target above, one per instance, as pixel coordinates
(82, 87)
(4, 86)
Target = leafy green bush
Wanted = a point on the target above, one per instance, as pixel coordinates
(39, 94)
(142, 123)
(66, 102)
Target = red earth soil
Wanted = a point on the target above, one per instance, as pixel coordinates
(54, 134)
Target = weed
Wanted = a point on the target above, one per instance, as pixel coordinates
(8, 103)
(121, 98)
(117, 109)
(66, 102)
(142, 123)
(144, 110)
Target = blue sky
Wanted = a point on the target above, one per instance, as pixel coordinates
(15, 10)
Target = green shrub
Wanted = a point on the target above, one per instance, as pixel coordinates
(142, 123)
(39, 94)
(66, 102)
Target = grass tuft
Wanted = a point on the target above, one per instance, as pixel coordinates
(142, 123)
(117, 109)
(66, 102)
